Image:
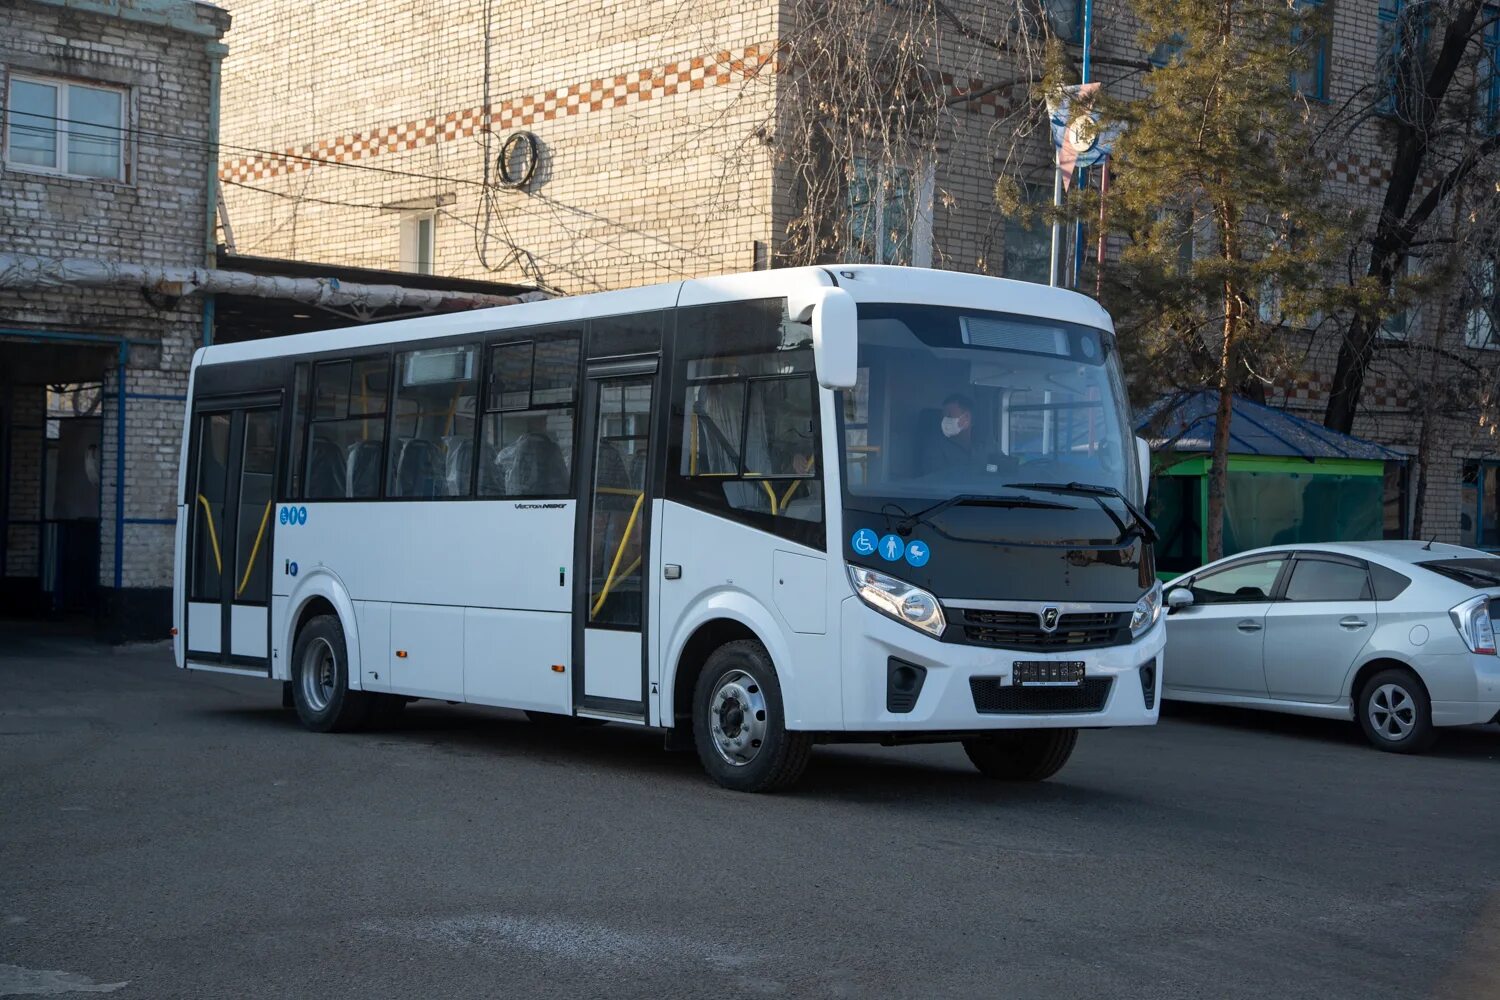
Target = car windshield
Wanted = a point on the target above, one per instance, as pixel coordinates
(958, 401)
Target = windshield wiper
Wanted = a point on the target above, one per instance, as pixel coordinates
(1098, 492)
(926, 514)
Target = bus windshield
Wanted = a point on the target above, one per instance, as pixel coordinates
(959, 401)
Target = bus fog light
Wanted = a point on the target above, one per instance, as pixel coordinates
(907, 604)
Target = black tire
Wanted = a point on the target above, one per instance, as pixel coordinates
(778, 756)
(1399, 699)
(1022, 754)
(324, 702)
(385, 709)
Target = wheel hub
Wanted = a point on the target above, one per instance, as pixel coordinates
(319, 670)
(737, 718)
(1392, 712)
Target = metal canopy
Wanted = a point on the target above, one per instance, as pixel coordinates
(1185, 423)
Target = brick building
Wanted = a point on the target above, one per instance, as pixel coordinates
(110, 273)
(376, 135)
(85, 82)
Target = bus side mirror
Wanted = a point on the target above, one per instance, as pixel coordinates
(1143, 456)
(835, 333)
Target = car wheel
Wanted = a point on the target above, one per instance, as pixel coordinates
(320, 679)
(1023, 754)
(1395, 712)
(739, 725)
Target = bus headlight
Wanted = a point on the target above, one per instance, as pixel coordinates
(907, 604)
(1147, 611)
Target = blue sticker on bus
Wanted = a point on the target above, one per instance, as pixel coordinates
(301, 515)
(892, 548)
(864, 542)
(292, 568)
(917, 553)
(285, 515)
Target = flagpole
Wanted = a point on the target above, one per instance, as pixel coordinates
(1083, 175)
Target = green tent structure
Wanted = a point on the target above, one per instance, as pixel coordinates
(1290, 480)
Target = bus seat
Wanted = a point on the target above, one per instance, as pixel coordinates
(364, 469)
(417, 471)
(611, 468)
(325, 470)
(537, 468)
(458, 464)
(491, 471)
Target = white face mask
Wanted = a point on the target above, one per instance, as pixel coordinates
(951, 427)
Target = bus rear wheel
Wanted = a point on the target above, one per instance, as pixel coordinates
(739, 725)
(1023, 754)
(320, 679)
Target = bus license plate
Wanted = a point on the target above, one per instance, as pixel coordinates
(1047, 673)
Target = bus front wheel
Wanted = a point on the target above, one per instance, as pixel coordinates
(320, 679)
(1022, 754)
(739, 724)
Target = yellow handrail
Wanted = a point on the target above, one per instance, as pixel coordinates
(609, 580)
(212, 535)
(770, 492)
(254, 549)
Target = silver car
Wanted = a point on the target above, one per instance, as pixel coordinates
(1397, 635)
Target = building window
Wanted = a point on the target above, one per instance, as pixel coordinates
(1403, 36)
(1028, 239)
(890, 214)
(1479, 506)
(418, 243)
(65, 127)
(1311, 82)
(1480, 320)
(1489, 69)
(1065, 17)
(1397, 325)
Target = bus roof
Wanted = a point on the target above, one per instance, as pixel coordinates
(864, 282)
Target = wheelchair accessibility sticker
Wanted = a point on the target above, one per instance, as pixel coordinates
(892, 547)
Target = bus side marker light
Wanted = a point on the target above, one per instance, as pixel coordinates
(558, 668)
(400, 654)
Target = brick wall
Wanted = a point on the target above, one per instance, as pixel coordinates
(159, 214)
(646, 112)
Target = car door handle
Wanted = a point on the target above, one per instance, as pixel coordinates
(1249, 625)
(1352, 623)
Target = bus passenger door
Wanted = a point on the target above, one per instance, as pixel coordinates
(613, 542)
(231, 500)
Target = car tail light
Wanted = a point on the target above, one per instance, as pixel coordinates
(1472, 619)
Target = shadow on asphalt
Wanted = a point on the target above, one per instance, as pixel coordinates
(1466, 743)
(848, 772)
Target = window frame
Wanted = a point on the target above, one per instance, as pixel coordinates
(1479, 465)
(1311, 556)
(1285, 557)
(1321, 52)
(1489, 69)
(921, 189)
(412, 243)
(388, 353)
(477, 344)
(530, 336)
(63, 123)
(704, 492)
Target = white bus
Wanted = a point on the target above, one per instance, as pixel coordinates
(755, 512)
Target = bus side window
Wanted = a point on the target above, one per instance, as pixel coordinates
(347, 437)
(744, 412)
(432, 448)
(526, 442)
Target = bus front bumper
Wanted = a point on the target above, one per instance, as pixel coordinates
(967, 688)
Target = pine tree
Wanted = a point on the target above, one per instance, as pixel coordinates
(1217, 195)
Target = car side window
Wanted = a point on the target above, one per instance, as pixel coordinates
(1326, 580)
(1238, 584)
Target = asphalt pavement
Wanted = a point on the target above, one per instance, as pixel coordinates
(179, 835)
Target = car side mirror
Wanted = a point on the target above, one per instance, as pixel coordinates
(1179, 598)
(835, 333)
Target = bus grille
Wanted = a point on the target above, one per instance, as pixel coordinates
(993, 697)
(1023, 629)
